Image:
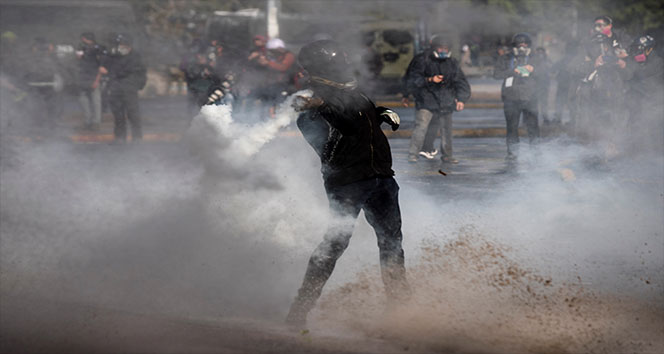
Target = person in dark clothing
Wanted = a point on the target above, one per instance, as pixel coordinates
(127, 75)
(519, 71)
(427, 151)
(200, 76)
(343, 127)
(440, 87)
(543, 84)
(565, 84)
(645, 95)
(600, 66)
(91, 56)
(42, 80)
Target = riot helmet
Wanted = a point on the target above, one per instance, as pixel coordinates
(327, 60)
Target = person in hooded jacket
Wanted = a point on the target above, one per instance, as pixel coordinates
(440, 88)
(127, 75)
(519, 71)
(343, 127)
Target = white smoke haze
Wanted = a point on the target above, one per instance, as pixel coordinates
(564, 254)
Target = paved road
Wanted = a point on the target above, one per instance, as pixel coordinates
(127, 249)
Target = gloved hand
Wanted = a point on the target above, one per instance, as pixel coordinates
(215, 96)
(390, 117)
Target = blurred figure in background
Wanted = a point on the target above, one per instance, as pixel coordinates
(11, 94)
(281, 70)
(90, 56)
(465, 56)
(520, 72)
(601, 69)
(440, 88)
(127, 75)
(253, 73)
(200, 75)
(543, 84)
(565, 85)
(43, 82)
(645, 95)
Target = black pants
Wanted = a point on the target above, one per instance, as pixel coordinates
(379, 198)
(124, 105)
(513, 111)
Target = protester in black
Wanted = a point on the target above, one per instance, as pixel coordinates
(127, 75)
(440, 88)
(519, 71)
(343, 127)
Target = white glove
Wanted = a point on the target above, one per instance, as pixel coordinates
(392, 118)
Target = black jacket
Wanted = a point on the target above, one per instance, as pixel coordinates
(89, 65)
(429, 95)
(126, 73)
(516, 87)
(345, 133)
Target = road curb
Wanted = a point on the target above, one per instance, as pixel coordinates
(177, 137)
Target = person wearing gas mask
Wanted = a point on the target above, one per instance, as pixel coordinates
(343, 127)
(42, 80)
(600, 67)
(519, 72)
(127, 75)
(440, 88)
(90, 56)
(645, 94)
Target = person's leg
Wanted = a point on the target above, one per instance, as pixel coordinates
(530, 120)
(96, 107)
(446, 137)
(134, 116)
(345, 205)
(118, 108)
(432, 134)
(512, 116)
(84, 101)
(422, 119)
(383, 214)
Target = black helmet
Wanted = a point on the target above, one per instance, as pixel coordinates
(123, 38)
(439, 40)
(521, 38)
(326, 59)
(642, 44)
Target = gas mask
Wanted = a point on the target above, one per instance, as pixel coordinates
(605, 30)
(521, 51)
(441, 54)
(641, 58)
